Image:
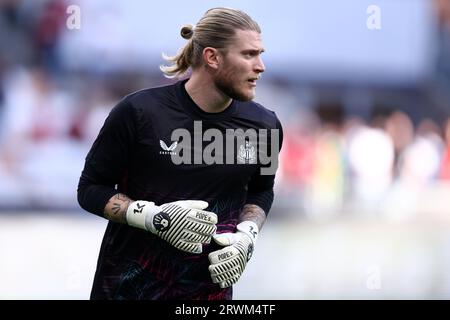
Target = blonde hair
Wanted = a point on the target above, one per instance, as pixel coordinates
(215, 29)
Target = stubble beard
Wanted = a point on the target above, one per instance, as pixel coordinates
(224, 82)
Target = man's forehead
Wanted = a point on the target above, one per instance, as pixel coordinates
(247, 39)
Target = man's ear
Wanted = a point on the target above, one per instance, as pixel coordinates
(211, 57)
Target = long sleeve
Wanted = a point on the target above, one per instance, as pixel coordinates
(260, 187)
(107, 161)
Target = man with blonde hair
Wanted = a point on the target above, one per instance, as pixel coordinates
(166, 190)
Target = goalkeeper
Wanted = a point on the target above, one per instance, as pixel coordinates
(184, 230)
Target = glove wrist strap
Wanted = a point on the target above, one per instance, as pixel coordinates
(139, 211)
(249, 228)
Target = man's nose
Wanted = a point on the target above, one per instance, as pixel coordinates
(259, 67)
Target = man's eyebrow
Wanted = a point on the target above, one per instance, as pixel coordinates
(253, 50)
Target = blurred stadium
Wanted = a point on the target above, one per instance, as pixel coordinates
(362, 89)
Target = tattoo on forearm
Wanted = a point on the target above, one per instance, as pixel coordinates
(253, 213)
(116, 208)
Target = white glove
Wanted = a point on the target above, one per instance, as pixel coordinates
(227, 264)
(184, 224)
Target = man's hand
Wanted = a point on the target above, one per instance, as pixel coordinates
(227, 264)
(184, 224)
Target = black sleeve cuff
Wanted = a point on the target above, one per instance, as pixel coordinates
(93, 198)
(263, 199)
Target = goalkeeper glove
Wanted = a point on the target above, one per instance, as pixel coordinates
(184, 224)
(227, 264)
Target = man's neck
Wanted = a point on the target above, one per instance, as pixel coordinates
(205, 94)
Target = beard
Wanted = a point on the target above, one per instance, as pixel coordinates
(224, 82)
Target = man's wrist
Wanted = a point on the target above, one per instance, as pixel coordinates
(252, 212)
(116, 208)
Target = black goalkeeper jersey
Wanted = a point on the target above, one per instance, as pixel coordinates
(132, 155)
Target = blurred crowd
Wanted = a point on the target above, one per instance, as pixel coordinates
(393, 160)
(330, 164)
(332, 160)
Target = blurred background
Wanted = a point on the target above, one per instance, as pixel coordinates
(362, 89)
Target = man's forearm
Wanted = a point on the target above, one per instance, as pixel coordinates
(116, 208)
(252, 212)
